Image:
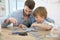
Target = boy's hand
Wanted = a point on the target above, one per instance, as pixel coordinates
(33, 25)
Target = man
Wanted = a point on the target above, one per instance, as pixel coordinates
(21, 17)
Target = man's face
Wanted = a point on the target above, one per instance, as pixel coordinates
(39, 19)
(27, 10)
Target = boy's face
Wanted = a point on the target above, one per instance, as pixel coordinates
(39, 19)
(27, 10)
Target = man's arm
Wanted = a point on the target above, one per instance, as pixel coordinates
(9, 20)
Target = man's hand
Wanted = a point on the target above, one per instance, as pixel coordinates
(22, 26)
(13, 20)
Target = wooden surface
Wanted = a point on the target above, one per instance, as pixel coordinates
(6, 35)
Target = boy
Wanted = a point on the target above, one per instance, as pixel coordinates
(40, 15)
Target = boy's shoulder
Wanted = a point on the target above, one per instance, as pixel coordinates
(45, 22)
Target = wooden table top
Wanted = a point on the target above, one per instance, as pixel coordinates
(6, 35)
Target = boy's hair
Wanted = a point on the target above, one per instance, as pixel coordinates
(30, 3)
(40, 11)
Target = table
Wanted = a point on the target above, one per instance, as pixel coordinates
(6, 35)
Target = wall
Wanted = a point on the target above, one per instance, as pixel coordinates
(53, 8)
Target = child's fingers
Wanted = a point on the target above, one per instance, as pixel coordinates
(20, 26)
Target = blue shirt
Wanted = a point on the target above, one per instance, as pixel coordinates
(19, 16)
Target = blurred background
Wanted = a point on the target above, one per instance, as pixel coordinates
(9, 6)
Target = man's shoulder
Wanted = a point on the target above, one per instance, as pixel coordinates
(18, 11)
(45, 22)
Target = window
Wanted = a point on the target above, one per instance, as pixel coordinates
(15, 5)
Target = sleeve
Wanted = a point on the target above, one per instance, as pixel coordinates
(3, 24)
(50, 20)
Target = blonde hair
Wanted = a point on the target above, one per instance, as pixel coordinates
(40, 11)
